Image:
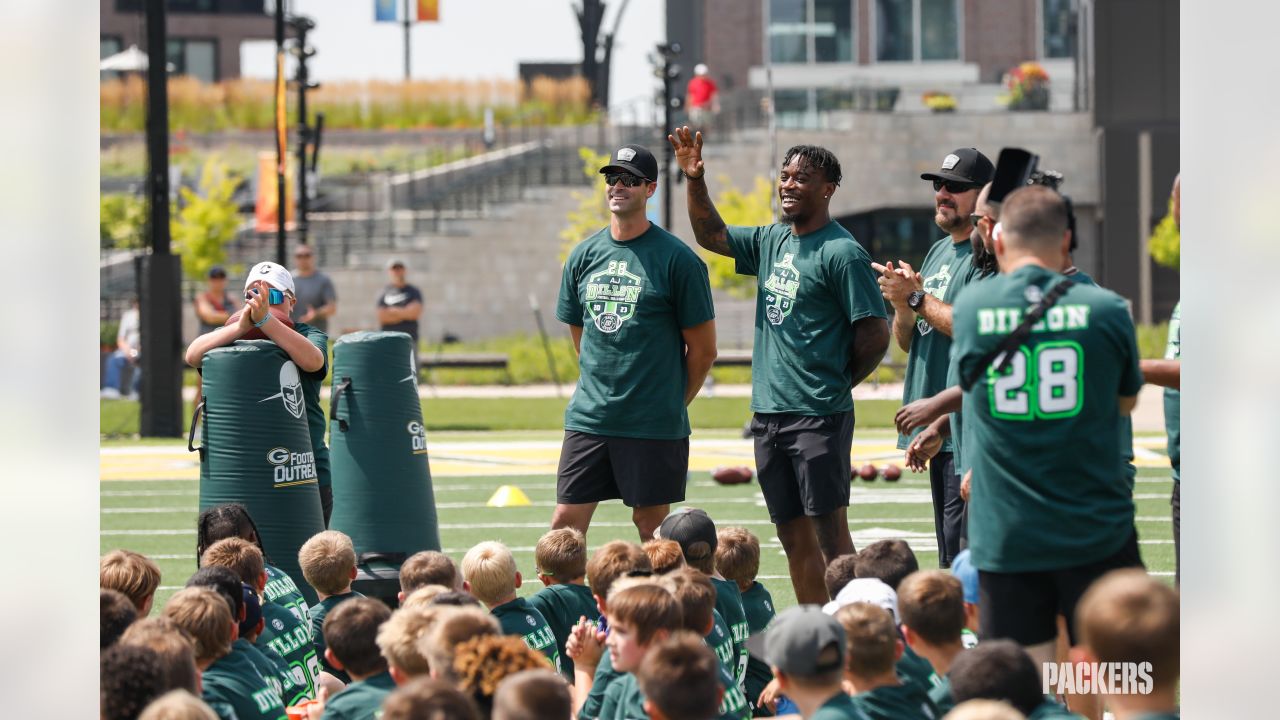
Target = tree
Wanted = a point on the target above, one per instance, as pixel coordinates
(592, 212)
(595, 68)
(739, 208)
(207, 221)
(120, 221)
(1166, 241)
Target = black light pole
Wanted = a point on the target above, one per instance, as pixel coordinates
(407, 25)
(671, 102)
(281, 214)
(301, 25)
(159, 274)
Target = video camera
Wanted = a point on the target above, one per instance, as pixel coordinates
(1016, 168)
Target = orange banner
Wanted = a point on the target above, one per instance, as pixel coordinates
(265, 211)
(428, 10)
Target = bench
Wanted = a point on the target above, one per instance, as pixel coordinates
(464, 361)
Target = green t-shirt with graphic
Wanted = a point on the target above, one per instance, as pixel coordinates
(626, 701)
(361, 700)
(729, 605)
(562, 605)
(604, 678)
(839, 707)
(907, 701)
(311, 384)
(274, 670)
(284, 592)
(947, 268)
(720, 639)
(1043, 438)
(911, 668)
(521, 619)
(284, 635)
(757, 603)
(632, 300)
(318, 614)
(1173, 398)
(235, 690)
(941, 696)
(810, 291)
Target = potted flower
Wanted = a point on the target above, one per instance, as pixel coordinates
(1028, 86)
(939, 102)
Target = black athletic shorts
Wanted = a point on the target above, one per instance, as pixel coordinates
(1023, 607)
(803, 463)
(640, 472)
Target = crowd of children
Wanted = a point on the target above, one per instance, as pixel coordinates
(679, 628)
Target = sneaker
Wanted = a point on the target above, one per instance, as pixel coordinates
(110, 393)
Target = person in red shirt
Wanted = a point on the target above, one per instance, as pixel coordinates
(702, 96)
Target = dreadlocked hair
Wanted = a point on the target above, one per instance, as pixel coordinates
(224, 521)
(818, 158)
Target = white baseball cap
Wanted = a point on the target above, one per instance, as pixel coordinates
(700, 69)
(274, 275)
(867, 590)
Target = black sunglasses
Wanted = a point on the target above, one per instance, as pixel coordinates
(976, 218)
(952, 186)
(628, 180)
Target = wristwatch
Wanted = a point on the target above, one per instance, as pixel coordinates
(915, 300)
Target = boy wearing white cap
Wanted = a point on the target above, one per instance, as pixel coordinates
(270, 285)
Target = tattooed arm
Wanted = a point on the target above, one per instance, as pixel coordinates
(708, 229)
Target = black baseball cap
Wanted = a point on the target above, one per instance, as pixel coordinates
(635, 160)
(965, 165)
(217, 271)
(797, 639)
(693, 530)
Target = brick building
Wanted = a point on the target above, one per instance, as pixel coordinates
(204, 35)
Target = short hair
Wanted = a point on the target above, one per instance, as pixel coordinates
(997, 670)
(327, 560)
(482, 663)
(738, 555)
(131, 573)
(428, 567)
(886, 560)
(532, 695)
(816, 157)
(872, 638)
(1129, 616)
(351, 631)
(429, 699)
(224, 582)
(452, 627)
(398, 638)
(490, 572)
(681, 676)
(696, 596)
(206, 617)
(613, 560)
(839, 573)
(664, 555)
(423, 596)
(931, 603)
(562, 554)
(178, 705)
(115, 613)
(239, 556)
(647, 609)
(984, 710)
(1033, 217)
(131, 677)
(456, 598)
(176, 649)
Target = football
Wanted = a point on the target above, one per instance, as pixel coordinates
(256, 333)
(868, 472)
(892, 473)
(732, 475)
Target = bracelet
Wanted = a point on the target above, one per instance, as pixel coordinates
(264, 320)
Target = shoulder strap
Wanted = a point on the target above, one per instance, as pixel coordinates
(1002, 353)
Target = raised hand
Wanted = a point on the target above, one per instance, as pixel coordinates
(688, 149)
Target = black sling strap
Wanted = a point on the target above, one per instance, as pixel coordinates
(1003, 352)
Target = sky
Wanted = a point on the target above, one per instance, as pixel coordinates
(474, 39)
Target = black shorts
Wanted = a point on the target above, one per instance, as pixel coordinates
(803, 463)
(640, 472)
(1023, 607)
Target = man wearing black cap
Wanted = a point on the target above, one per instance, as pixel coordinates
(637, 301)
(922, 320)
(819, 330)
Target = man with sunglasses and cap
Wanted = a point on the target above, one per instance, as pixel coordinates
(271, 284)
(637, 301)
(922, 320)
(317, 300)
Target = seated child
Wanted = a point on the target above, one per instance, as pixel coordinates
(429, 698)
(738, 559)
(532, 695)
(350, 632)
(561, 557)
(664, 555)
(233, 520)
(805, 649)
(133, 574)
(489, 572)
(328, 562)
(874, 647)
(399, 641)
(680, 678)
(932, 606)
(116, 612)
(176, 650)
(131, 677)
(428, 567)
(454, 625)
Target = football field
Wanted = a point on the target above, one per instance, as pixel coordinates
(150, 498)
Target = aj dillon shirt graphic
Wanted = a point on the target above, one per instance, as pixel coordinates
(632, 300)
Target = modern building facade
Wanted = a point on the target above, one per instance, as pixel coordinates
(204, 35)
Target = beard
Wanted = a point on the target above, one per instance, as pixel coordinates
(793, 219)
(950, 224)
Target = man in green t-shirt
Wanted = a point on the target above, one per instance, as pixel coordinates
(922, 320)
(1051, 509)
(270, 284)
(819, 330)
(637, 301)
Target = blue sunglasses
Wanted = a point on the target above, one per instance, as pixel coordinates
(274, 296)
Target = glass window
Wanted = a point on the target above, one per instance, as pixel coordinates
(833, 30)
(939, 30)
(788, 31)
(108, 46)
(894, 30)
(1058, 24)
(201, 60)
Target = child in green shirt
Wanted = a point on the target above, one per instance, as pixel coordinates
(350, 633)
(874, 648)
(489, 573)
(328, 562)
(561, 556)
